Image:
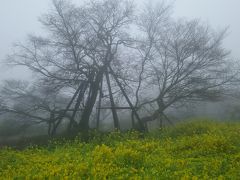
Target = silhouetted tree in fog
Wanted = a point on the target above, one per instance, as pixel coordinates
(182, 61)
(106, 49)
(39, 105)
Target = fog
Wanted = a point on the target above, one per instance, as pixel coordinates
(20, 18)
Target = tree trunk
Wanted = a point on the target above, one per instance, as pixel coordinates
(114, 112)
(62, 115)
(99, 104)
(51, 133)
(133, 120)
(84, 121)
(77, 105)
(141, 125)
(49, 129)
(161, 121)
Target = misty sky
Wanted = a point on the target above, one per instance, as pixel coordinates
(18, 18)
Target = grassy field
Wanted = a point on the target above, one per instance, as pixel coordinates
(191, 150)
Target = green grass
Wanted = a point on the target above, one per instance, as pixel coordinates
(192, 150)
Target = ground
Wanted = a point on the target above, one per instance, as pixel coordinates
(192, 150)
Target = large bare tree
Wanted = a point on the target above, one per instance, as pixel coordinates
(104, 49)
(82, 47)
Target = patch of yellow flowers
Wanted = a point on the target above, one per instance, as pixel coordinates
(210, 153)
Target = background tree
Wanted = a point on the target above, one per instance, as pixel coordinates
(39, 105)
(184, 61)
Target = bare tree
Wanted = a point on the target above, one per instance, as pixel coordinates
(83, 45)
(93, 52)
(183, 61)
(40, 105)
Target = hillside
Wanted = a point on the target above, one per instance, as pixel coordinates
(191, 150)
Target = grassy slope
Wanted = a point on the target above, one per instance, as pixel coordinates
(203, 149)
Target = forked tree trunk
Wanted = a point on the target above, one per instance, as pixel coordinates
(94, 86)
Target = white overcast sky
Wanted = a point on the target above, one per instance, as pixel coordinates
(18, 18)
